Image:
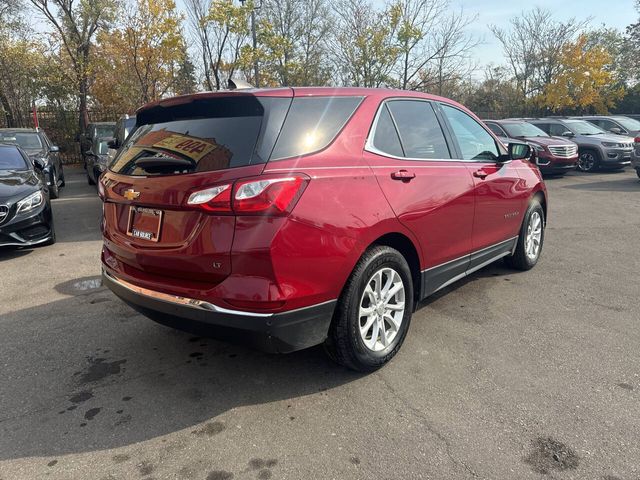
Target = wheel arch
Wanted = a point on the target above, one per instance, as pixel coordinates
(408, 250)
(541, 197)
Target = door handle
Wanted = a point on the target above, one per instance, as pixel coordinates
(481, 174)
(403, 175)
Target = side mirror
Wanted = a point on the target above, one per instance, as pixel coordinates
(113, 144)
(38, 163)
(54, 149)
(616, 130)
(519, 151)
(567, 133)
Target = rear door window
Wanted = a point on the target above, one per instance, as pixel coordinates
(312, 124)
(419, 129)
(205, 135)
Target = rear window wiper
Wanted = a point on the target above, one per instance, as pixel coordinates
(163, 164)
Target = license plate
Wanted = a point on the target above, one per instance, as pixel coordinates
(145, 223)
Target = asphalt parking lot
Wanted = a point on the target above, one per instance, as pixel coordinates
(505, 375)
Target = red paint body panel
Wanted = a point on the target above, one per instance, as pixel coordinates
(287, 262)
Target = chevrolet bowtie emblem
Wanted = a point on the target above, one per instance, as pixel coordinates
(131, 194)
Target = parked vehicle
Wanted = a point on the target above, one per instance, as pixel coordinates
(596, 148)
(618, 124)
(25, 209)
(294, 217)
(124, 127)
(552, 155)
(93, 131)
(97, 159)
(38, 146)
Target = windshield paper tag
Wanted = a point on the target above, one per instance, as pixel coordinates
(192, 148)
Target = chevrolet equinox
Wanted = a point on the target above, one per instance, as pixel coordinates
(294, 217)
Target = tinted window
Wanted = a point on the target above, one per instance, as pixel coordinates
(475, 142)
(210, 134)
(557, 129)
(386, 136)
(419, 130)
(523, 129)
(104, 130)
(12, 159)
(312, 123)
(495, 129)
(27, 140)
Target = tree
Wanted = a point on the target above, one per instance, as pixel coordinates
(294, 42)
(583, 81)
(364, 50)
(76, 25)
(141, 59)
(533, 46)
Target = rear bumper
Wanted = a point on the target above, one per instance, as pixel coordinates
(271, 332)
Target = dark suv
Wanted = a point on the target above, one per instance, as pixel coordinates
(294, 217)
(94, 131)
(596, 148)
(38, 146)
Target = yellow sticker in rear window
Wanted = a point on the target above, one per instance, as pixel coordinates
(189, 146)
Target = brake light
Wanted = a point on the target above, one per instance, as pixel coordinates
(214, 199)
(636, 140)
(255, 196)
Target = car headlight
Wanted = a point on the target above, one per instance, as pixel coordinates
(538, 148)
(610, 144)
(29, 203)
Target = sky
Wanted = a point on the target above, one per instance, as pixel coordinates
(612, 13)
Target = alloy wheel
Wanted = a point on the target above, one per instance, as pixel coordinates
(586, 162)
(534, 236)
(381, 309)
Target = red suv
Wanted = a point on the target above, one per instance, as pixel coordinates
(294, 217)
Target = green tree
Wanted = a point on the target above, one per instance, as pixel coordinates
(75, 26)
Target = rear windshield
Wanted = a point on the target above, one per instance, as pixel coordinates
(12, 159)
(207, 135)
(228, 132)
(105, 130)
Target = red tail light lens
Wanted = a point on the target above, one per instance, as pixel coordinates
(268, 196)
(636, 140)
(254, 196)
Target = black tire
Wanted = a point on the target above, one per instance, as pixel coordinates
(62, 182)
(638, 172)
(520, 260)
(54, 190)
(345, 344)
(90, 181)
(588, 161)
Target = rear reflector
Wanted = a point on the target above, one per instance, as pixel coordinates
(253, 196)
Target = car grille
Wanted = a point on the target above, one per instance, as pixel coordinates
(564, 151)
(4, 214)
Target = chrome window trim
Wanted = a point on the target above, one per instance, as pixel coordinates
(370, 147)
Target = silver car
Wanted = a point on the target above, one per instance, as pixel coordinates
(597, 148)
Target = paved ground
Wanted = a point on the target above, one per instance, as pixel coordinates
(506, 375)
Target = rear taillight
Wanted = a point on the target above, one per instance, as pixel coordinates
(253, 196)
(636, 140)
(214, 199)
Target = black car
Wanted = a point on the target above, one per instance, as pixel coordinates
(25, 208)
(97, 159)
(93, 131)
(38, 146)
